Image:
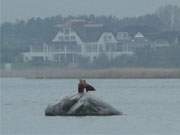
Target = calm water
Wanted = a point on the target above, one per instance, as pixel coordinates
(152, 107)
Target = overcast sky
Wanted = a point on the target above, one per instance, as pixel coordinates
(25, 9)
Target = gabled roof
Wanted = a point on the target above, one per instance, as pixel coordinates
(90, 33)
(139, 35)
(108, 37)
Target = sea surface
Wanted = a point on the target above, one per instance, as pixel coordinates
(150, 107)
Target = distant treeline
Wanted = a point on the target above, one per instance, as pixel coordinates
(163, 24)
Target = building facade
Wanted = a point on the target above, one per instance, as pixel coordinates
(79, 39)
(70, 45)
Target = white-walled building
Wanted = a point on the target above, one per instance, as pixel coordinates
(69, 45)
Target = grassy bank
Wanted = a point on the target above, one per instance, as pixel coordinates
(97, 73)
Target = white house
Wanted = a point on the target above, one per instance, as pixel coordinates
(69, 45)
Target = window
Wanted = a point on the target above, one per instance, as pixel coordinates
(73, 38)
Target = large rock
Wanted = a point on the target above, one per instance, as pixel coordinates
(81, 105)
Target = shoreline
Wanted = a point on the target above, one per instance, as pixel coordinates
(114, 73)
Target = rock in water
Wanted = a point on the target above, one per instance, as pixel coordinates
(81, 105)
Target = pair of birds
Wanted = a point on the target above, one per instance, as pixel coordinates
(84, 86)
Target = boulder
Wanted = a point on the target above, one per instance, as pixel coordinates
(81, 105)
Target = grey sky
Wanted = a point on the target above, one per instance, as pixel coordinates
(24, 9)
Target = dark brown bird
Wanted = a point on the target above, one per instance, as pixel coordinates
(81, 86)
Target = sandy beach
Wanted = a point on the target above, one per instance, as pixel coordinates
(44, 73)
